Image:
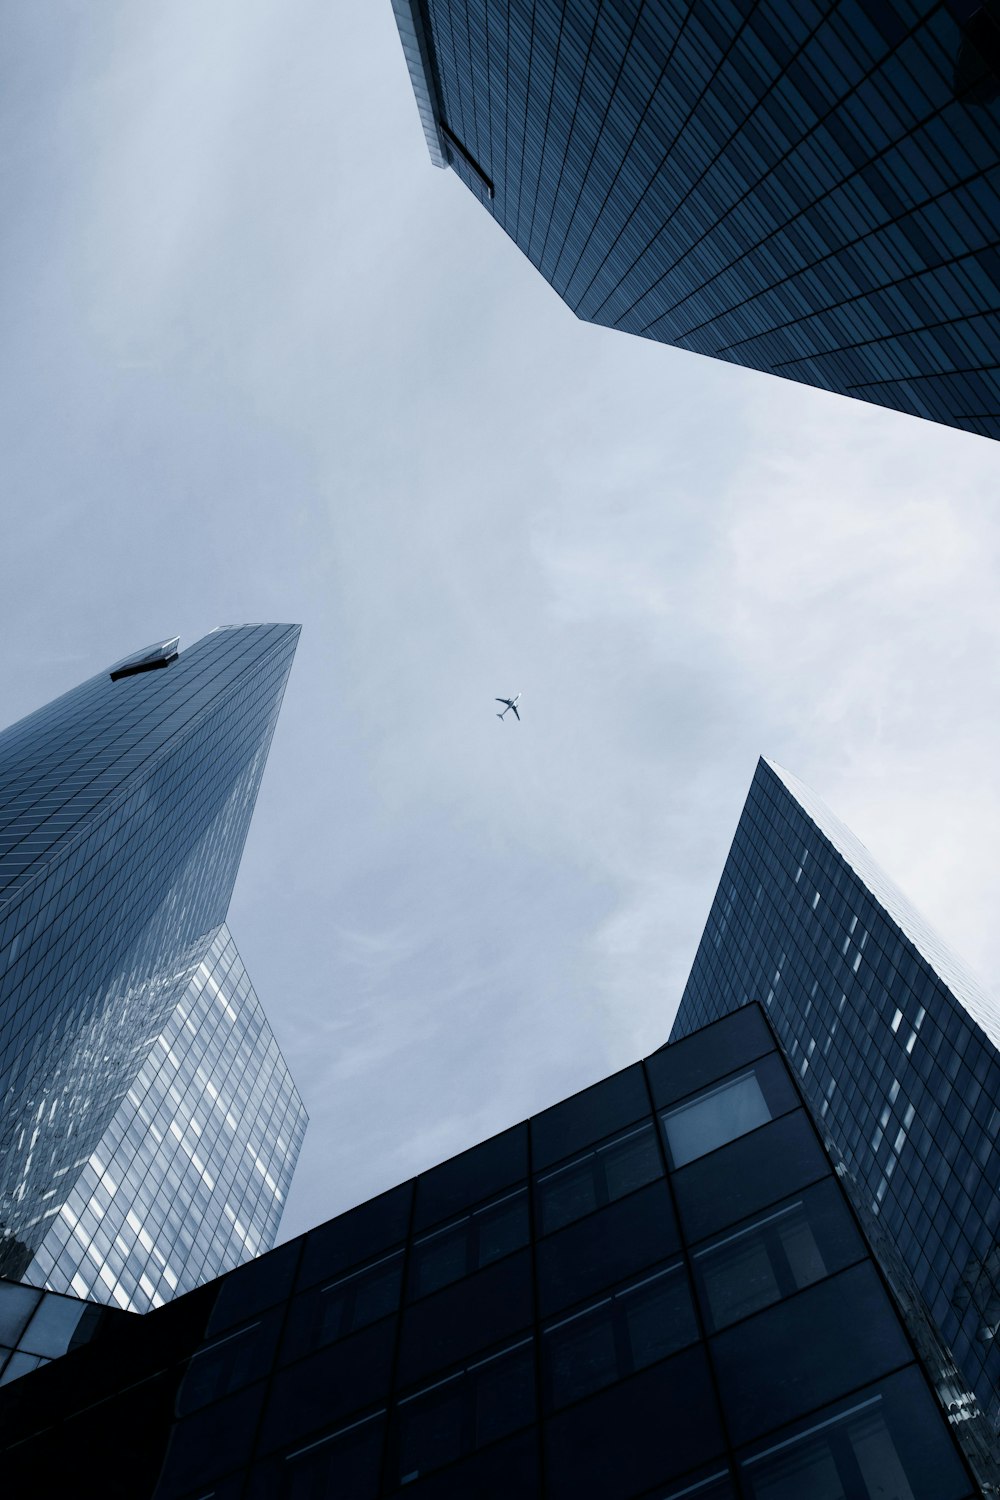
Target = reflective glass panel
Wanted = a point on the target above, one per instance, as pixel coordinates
(601, 1176)
(786, 1249)
(889, 1440)
(623, 1333)
(715, 1118)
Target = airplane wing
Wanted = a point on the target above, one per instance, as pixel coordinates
(504, 700)
(517, 716)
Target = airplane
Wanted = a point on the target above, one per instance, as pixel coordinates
(511, 703)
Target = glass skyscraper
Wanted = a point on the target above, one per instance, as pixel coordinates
(655, 1290)
(192, 1173)
(807, 189)
(149, 1125)
(894, 1043)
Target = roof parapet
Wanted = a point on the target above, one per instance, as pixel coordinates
(419, 61)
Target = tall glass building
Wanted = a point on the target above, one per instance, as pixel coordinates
(894, 1043)
(148, 1126)
(655, 1290)
(808, 189)
(192, 1173)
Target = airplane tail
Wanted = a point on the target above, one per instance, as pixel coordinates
(500, 716)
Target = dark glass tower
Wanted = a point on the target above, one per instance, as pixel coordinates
(893, 1040)
(808, 189)
(124, 806)
(657, 1288)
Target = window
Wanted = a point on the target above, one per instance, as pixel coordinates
(360, 1235)
(888, 1440)
(713, 1119)
(786, 1249)
(593, 1115)
(793, 1357)
(637, 1434)
(226, 1365)
(606, 1248)
(475, 1241)
(345, 1462)
(486, 1171)
(359, 1299)
(601, 1176)
(478, 1405)
(619, 1335)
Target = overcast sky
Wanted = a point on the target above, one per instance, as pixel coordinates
(262, 361)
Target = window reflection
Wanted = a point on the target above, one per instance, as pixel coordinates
(469, 1244)
(359, 1299)
(628, 1331)
(760, 1265)
(486, 1401)
(344, 1463)
(713, 1119)
(887, 1441)
(853, 1455)
(601, 1176)
(217, 1370)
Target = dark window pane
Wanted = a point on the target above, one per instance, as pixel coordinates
(488, 1400)
(481, 1237)
(748, 1174)
(480, 1173)
(210, 1443)
(580, 1354)
(374, 1296)
(345, 1463)
(431, 1429)
(465, 1318)
(504, 1471)
(589, 1116)
(440, 1259)
(327, 1387)
(630, 1163)
(638, 1433)
(888, 1440)
(789, 1247)
(723, 1047)
(601, 1176)
(567, 1194)
(504, 1393)
(606, 1248)
(794, 1356)
(501, 1228)
(659, 1317)
(624, 1332)
(324, 1314)
(361, 1235)
(250, 1289)
(716, 1486)
(233, 1361)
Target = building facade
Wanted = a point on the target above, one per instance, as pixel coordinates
(657, 1288)
(124, 807)
(37, 1327)
(894, 1042)
(192, 1174)
(808, 190)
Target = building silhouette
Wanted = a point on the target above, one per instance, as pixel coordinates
(658, 1287)
(811, 191)
(893, 1041)
(149, 1126)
